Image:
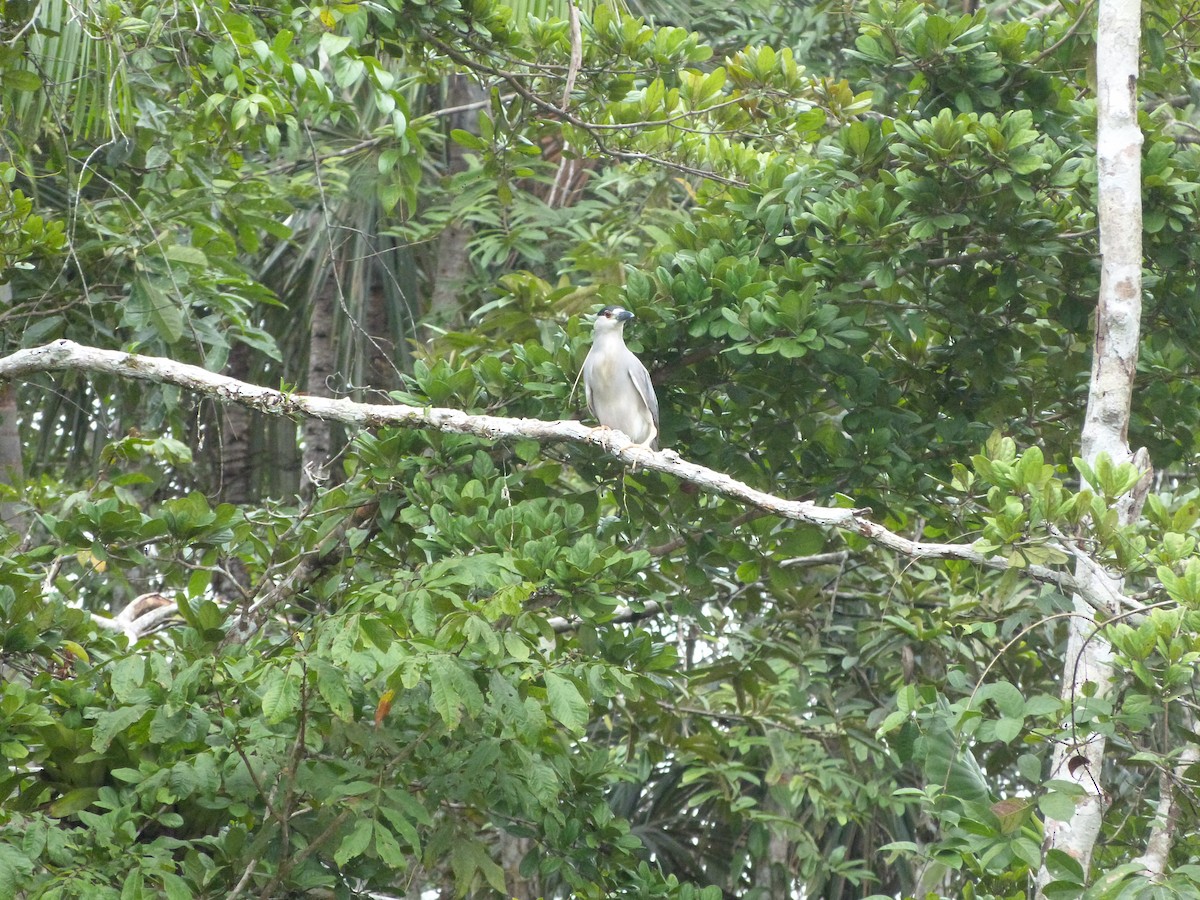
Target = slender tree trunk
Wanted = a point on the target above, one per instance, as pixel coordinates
(1079, 758)
(512, 851)
(235, 477)
(453, 261)
(12, 467)
(322, 362)
(773, 875)
(453, 267)
(379, 370)
(1171, 807)
(12, 470)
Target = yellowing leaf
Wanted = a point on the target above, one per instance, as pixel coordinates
(384, 706)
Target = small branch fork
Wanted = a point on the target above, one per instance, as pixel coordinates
(67, 355)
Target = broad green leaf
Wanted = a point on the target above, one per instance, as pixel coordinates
(354, 843)
(22, 80)
(333, 44)
(565, 702)
(1057, 805)
(467, 139)
(73, 801)
(331, 686)
(448, 683)
(110, 724)
(175, 887)
(188, 255)
(389, 849)
(280, 694)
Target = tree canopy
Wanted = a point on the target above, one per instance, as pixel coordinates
(306, 589)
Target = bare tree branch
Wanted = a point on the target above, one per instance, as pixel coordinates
(67, 355)
(576, 55)
(142, 615)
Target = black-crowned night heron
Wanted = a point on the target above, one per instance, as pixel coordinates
(617, 385)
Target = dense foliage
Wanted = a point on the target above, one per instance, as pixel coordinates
(453, 666)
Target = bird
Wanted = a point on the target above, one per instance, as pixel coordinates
(616, 384)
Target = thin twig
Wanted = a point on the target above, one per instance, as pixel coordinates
(576, 55)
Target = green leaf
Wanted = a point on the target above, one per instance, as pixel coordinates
(858, 137)
(1006, 696)
(188, 255)
(167, 318)
(389, 849)
(127, 677)
(516, 646)
(280, 694)
(468, 858)
(404, 828)
(1057, 805)
(1030, 767)
(377, 632)
(1156, 47)
(176, 888)
(157, 156)
(22, 80)
(15, 868)
(452, 689)
(73, 801)
(331, 685)
(565, 702)
(110, 724)
(949, 764)
(1064, 867)
(1008, 730)
(354, 843)
(468, 140)
(333, 44)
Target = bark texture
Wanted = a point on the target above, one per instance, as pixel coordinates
(453, 264)
(322, 363)
(1079, 756)
(235, 479)
(12, 471)
(12, 468)
(1171, 806)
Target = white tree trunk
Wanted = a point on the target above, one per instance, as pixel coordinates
(1170, 810)
(1079, 757)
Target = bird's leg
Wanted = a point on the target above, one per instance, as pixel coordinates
(645, 443)
(601, 428)
(650, 439)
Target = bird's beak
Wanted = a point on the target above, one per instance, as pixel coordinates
(624, 316)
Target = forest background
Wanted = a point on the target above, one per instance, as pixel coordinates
(905, 616)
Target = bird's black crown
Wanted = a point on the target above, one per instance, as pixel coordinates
(619, 313)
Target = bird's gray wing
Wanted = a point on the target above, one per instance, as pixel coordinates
(587, 386)
(645, 388)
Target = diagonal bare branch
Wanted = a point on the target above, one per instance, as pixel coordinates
(68, 355)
